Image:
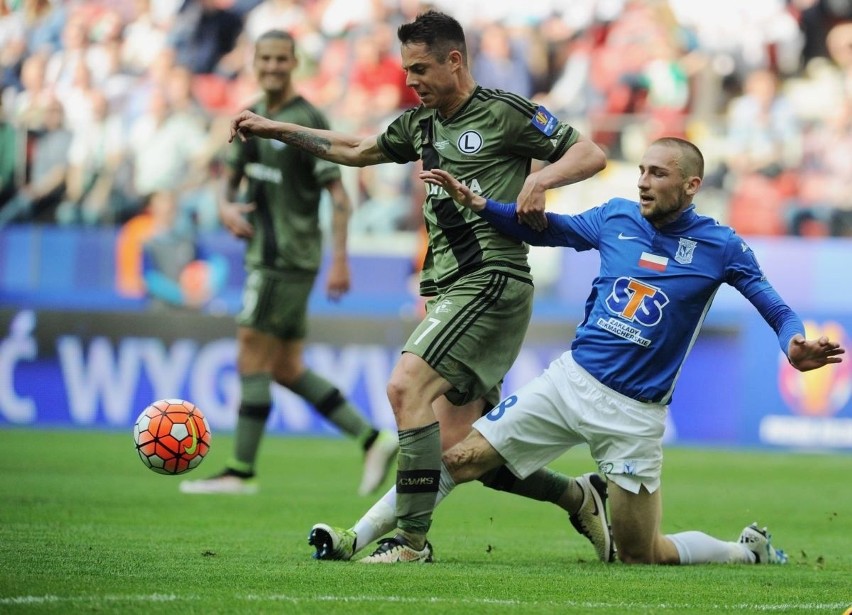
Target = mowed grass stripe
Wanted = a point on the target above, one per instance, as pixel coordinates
(368, 600)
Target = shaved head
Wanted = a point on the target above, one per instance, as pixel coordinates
(690, 159)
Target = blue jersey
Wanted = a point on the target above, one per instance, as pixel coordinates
(653, 290)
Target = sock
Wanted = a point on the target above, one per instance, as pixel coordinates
(330, 403)
(367, 442)
(381, 518)
(252, 415)
(700, 548)
(417, 479)
(543, 485)
(376, 522)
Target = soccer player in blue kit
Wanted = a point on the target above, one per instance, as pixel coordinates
(661, 265)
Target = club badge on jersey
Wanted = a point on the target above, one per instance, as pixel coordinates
(685, 251)
(545, 121)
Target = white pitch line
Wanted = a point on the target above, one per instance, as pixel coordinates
(606, 606)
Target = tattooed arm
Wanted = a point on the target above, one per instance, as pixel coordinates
(334, 146)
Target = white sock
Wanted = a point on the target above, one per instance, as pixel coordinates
(445, 485)
(381, 518)
(700, 548)
(376, 522)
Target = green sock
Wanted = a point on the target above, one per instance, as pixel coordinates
(417, 477)
(251, 421)
(543, 485)
(329, 402)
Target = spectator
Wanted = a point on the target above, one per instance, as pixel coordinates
(823, 204)
(76, 96)
(38, 199)
(62, 67)
(26, 107)
(181, 96)
(573, 94)
(97, 161)
(155, 79)
(204, 33)
(9, 165)
(144, 37)
(376, 83)
(43, 23)
(816, 21)
(177, 271)
(743, 36)
(167, 151)
(12, 46)
(762, 133)
(500, 62)
(287, 15)
(618, 61)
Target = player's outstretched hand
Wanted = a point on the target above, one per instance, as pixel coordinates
(806, 355)
(233, 217)
(248, 124)
(456, 190)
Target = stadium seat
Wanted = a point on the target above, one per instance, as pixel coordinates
(211, 91)
(757, 206)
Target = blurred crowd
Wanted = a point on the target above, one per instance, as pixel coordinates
(110, 104)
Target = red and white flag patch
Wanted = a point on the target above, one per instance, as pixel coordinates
(652, 261)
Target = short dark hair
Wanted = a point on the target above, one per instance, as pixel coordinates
(438, 31)
(278, 35)
(691, 160)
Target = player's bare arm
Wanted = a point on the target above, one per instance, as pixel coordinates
(579, 162)
(456, 190)
(231, 213)
(326, 144)
(338, 281)
(806, 355)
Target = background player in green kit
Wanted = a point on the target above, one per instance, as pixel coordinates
(280, 222)
(478, 280)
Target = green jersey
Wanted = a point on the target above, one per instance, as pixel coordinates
(285, 184)
(488, 145)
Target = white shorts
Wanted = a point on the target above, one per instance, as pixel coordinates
(566, 406)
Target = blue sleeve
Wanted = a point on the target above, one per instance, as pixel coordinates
(744, 273)
(562, 230)
(783, 320)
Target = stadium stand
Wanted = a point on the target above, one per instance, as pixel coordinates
(764, 87)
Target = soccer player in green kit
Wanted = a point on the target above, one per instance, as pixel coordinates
(478, 281)
(280, 222)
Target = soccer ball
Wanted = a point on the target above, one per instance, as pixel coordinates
(172, 436)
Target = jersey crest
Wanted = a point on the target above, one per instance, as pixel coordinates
(685, 250)
(469, 142)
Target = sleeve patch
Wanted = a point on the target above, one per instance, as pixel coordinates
(544, 121)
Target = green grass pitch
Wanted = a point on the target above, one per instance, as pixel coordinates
(85, 527)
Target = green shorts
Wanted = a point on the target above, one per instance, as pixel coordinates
(473, 332)
(276, 302)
